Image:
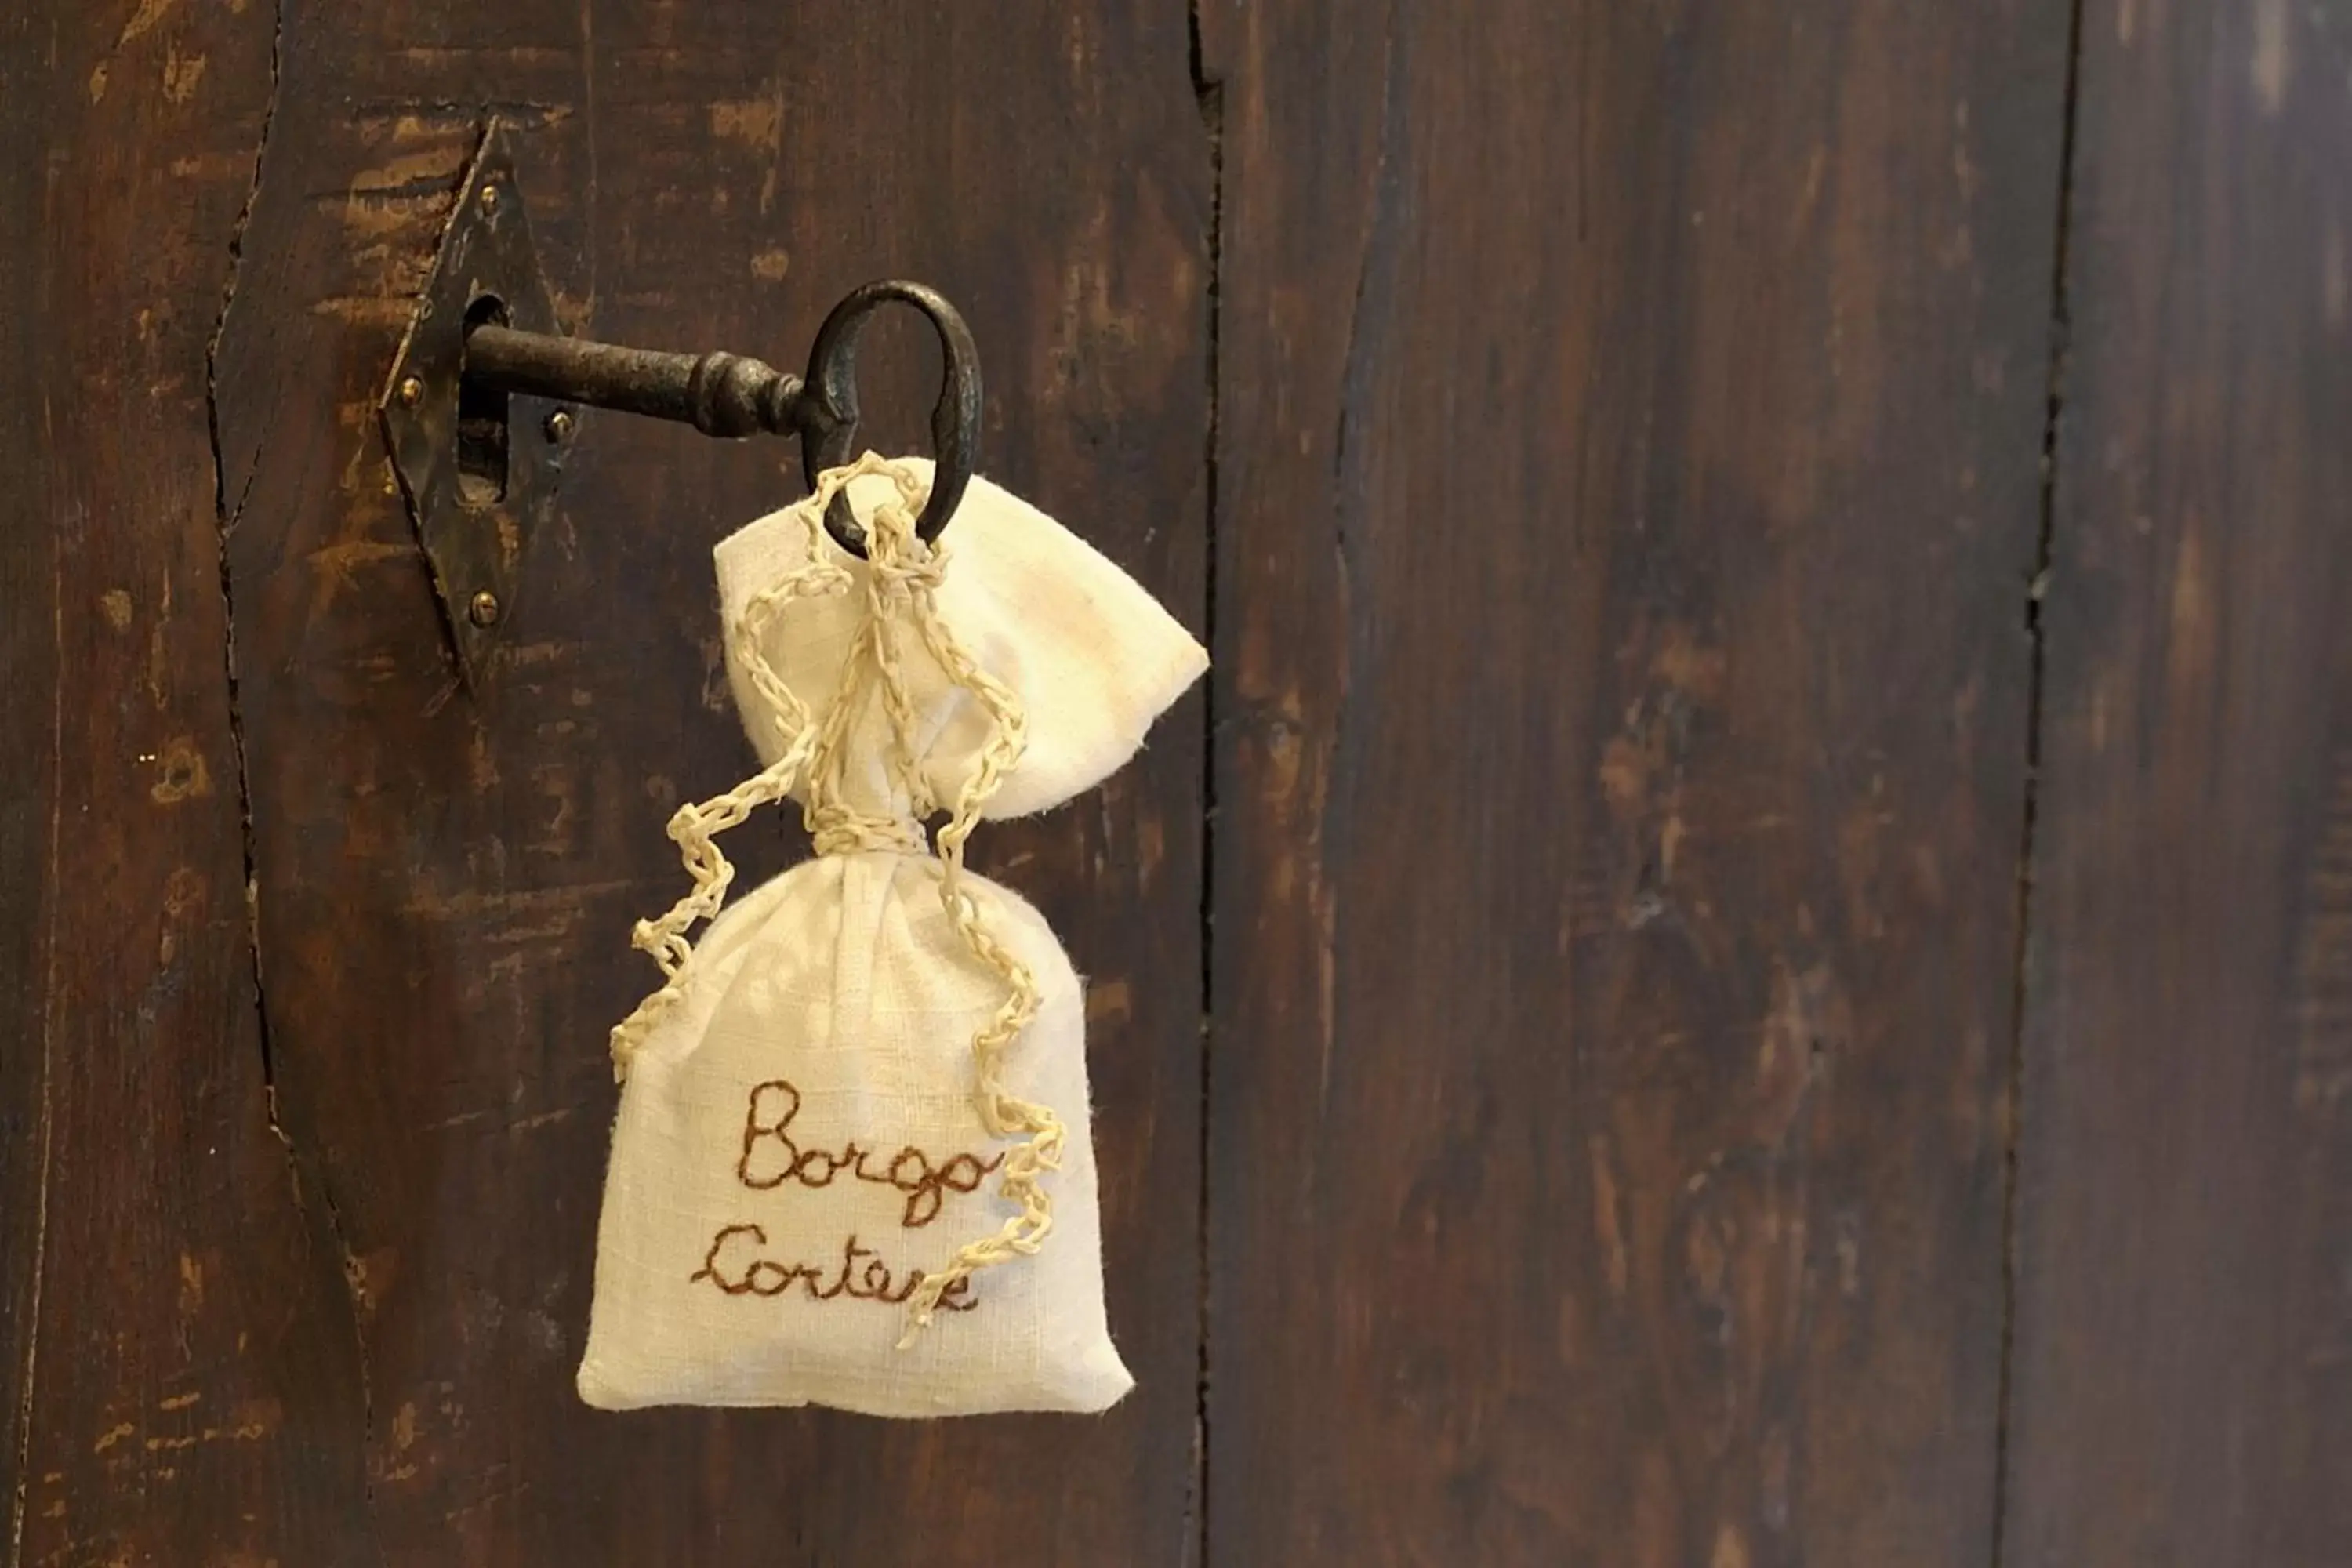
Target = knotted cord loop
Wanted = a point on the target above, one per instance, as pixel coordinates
(901, 585)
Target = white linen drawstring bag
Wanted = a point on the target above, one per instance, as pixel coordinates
(852, 1163)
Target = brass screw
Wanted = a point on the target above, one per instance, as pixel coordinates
(489, 198)
(559, 426)
(411, 390)
(484, 609)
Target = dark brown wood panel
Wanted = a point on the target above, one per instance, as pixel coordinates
(1617, 433)
(446, 879)
(1629, 430)
(28, 731)
(2184, 1362)
(175, 1333)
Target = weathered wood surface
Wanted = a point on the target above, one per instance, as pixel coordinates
(2184, 1361)
(1617, 432)
(175, 1335)
(1628, 471)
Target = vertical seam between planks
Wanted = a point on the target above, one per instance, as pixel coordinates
(2037, 634)
(1208, 100)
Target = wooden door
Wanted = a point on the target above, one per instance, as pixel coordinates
(1743, 961)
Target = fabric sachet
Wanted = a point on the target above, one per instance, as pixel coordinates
(853, 1165)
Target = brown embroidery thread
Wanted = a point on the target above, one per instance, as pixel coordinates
(766, 1276)
(925, 1181)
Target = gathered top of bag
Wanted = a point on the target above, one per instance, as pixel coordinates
(1088, 656)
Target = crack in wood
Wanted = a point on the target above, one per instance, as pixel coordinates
(2060, 322)
(228, 517)
(48, 1115)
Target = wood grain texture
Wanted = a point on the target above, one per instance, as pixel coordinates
(1622, 429)
(29, 776)
(174, 1332)
(446, 879)
(2184, 1362)
(1628, 445)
